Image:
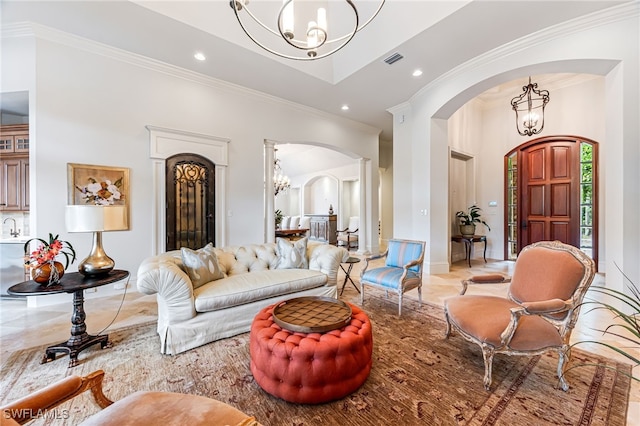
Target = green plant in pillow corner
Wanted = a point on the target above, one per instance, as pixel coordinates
(471, 217)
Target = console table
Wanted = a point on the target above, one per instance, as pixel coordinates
(323, 228)
(76, 283)
(468, 242)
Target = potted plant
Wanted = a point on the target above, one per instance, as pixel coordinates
(626, 327)
(278, 218)
(468, 220)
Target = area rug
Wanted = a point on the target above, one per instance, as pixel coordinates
(418, 378)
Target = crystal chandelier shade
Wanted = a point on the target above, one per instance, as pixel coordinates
(281, 182)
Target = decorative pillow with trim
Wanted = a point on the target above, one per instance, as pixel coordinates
(201, 265)
(292, 255)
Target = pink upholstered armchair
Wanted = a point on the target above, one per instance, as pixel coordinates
(139, 408)
(548, 284)
(401, 272)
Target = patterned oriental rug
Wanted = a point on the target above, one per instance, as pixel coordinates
(418, 378)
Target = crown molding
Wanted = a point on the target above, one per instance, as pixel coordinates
(596, 19)
(24, 29)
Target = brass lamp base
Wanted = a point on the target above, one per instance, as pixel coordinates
(97, 263)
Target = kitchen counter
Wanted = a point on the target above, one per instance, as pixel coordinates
(12, 265)
(18, 240)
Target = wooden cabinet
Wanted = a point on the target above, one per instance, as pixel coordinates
(14, 184)
(14, 168)
(14, 139)
(323, 228)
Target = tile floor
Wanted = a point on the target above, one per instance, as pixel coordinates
(22, 327)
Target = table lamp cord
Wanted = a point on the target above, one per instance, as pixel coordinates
(119, 307)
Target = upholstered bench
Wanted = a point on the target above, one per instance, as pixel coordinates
(310, 368)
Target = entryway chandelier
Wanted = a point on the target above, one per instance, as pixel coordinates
(280, 181)
(529, 108)
(315, 43)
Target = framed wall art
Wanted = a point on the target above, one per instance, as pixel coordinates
(97, 185)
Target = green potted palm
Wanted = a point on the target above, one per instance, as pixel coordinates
(626, 327)
(278, 218)
(468, 220)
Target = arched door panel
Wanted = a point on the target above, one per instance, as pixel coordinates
(190, 188)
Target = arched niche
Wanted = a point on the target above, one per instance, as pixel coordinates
(320, 193)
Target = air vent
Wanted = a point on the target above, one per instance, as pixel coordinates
(393, 58)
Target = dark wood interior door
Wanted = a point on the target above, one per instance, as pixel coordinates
(549, 183)
(190, 192)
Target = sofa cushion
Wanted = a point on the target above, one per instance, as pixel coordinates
(246, 288)
(201, 265)
(292, 254)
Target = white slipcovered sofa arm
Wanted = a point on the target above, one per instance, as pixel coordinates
(162, 275)
(326, 259)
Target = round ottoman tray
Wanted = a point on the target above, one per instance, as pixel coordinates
(312, 314)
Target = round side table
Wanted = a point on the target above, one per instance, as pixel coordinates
(350, 261)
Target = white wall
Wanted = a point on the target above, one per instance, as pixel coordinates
(386, 190)
(91, 105)
(320, 194)
(607, 45)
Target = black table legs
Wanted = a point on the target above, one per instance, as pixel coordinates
(348, 278)
(80, 339)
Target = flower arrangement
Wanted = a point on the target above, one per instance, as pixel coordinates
(48, 251)
(101, 193)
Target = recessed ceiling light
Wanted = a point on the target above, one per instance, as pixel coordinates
(345, 107)
(200, 56)
(417, 73)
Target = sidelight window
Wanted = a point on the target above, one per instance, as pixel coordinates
(512, 206)
(586, 198)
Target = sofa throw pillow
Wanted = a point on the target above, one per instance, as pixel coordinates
(292, 255)
(201, 265)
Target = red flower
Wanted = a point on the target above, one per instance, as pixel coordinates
(48, 251)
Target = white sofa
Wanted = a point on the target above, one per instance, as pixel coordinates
(189, 317)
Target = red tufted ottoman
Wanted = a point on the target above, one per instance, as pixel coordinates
(310, 368)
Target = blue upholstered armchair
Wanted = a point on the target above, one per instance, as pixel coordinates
(402, 270)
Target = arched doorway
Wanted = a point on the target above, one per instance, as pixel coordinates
(551, 193)
(190, 187)
(365, 197)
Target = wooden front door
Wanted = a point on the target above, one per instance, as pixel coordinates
(550, 178)
(551, 194)
(190, 192)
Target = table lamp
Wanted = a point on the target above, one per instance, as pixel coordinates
(96, 219)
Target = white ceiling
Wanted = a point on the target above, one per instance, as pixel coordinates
(433, 35)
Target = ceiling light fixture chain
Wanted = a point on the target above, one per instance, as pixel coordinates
(317, 34)
(532, 102)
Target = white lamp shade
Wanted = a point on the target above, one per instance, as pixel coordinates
(91, 218)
